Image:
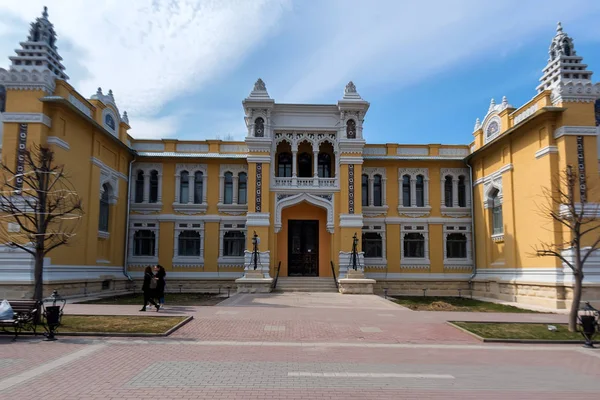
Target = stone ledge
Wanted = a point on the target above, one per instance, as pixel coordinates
(356, 285)
(254, 285)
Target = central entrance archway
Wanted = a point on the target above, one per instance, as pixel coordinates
(303, 248)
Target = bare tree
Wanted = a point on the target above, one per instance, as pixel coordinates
(40, 208)
(579, 221)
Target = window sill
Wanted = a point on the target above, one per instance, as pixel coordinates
(415, 211)
(231, 261)
(188, 262)
(146, 207)
(142, 261)
(373, 211)
(456, 211)
(233, 209)
(498, 238)
(103, 235)
(375, 262)
(416, 263)
(190, 208)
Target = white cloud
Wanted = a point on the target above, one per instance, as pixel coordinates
(156, 128)
(150, 51)
(402, 43)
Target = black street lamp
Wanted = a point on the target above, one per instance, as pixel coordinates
(588, 323)
(52, 314)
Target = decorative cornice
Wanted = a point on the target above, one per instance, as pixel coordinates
(412, 151)
(494, 175)
(351, 220)
(575, 131)
(545, 151)
(55, 140)
(27, 118)
(99, 163)
(28, 80)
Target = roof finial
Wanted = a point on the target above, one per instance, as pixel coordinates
(350, 88)
(125, 117)
(559, 27)
(99, 91)
(477, 124)
(492, 104)
(504, 101)
(110, 94)
(45, 13)
(259, 85)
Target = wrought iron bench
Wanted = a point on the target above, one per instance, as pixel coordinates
(24, 316)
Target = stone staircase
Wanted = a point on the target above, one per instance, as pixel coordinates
(305, 284)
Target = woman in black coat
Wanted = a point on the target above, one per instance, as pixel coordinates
(160, 287)
(149, 288)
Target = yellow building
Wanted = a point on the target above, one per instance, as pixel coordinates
(431, 217)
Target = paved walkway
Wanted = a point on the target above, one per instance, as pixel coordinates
(298, 346)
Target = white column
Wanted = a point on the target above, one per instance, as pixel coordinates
(221, 233)
(469, 252)
(235, 189)
(146, 187)
(294, 167)
(204, 186)
(315, 167)
(177, 187)
(191, 186)
(221, 188)
(384, 191)
(426, 191)
(468, 189)
(371, 189)
(454, 192)
(413, 192)
(443, 196)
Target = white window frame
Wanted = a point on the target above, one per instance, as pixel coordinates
(488, 203)
(414, 262)
(413, 210)
(188, 261)
(146, 206)
(455, 210)
(115, 116)
(112, 200)
(234, 208)
(378, 227)
(372, 210)
(110, 176)
(143, 261)
(458, 263)
(225, 226)
(190, 207)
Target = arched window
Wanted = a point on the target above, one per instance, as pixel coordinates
(351, 129)
(304, 165)
(143, 243)
(420, 189)
(377, 193)
(414, 245)
(109, 121)
(242, 188)
(284, 161)
(497, 224)
(365, 190)
(462, 192)
(406, 190)
(153, 187)
(2, 98)
(372, 245)
(198, 182)
(234, 243)
(324, 161)
(567, 48)
(139, 187)
(456, 245)
(189, 244)
(259, 127)
(597, 108)
(104, 208)
(184, 187)
(448, 191)
(228, 195)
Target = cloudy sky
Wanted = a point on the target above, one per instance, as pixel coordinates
(429, 68)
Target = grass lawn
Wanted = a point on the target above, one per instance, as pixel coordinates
(434, 303)
(171, 299)
(502, 330)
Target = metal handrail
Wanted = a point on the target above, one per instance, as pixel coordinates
(334, 277)
(276, 276)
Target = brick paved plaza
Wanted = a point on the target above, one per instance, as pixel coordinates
(299, 346)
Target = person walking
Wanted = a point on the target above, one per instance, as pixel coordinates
(149, 288)
(160, 288)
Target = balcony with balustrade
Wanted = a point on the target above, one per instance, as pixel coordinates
(305, 167)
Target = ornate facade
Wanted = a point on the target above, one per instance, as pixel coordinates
(437, 217)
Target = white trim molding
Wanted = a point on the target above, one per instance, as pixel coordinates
(377, 226)
(55, 140)
(545, 151)
(493, 175)
(189, 207)
(325, 201)
(149, 225)
(231, 261)
(234, 208)
(371, 210)
(575, 131)
(258, 219)
(589, 210)
(458, 263)
(188, 261)
(351, 221)
(415, 262)
(455, 210)
(145, 206)
(27, 118)
(414, 210)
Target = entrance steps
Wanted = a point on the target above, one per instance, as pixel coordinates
(305, 284)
